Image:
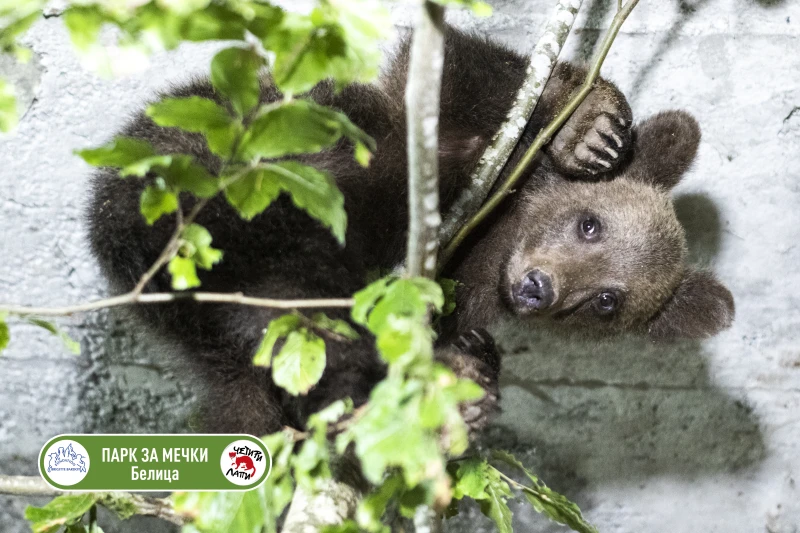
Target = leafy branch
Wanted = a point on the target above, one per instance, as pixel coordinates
(542, 138)
(69, 507)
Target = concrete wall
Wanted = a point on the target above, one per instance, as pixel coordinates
(692, 437)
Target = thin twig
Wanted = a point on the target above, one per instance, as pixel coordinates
(540, 66)
(172, 246)
(132, 298)
(542, 138)
(333, 430)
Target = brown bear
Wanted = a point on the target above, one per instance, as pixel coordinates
(589, 239)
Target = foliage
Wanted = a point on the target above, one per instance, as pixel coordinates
(480, 480)
(63, 510)
(406, 436)
(5, 336)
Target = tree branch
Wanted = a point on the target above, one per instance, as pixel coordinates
(422, 119)
(143, 505)
(423, 90)
(132, 298)
(543, 137)
(172, 245)
(494, 158)
(426, 520)
(338, 499)
(332, 504)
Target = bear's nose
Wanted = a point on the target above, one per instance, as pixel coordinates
(536, 290)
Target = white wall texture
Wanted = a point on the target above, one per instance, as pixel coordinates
(677, 439)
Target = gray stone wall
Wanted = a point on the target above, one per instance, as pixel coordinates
(683, 438)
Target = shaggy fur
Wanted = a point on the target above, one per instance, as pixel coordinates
(283, 253)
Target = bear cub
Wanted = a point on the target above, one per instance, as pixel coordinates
(589, 240)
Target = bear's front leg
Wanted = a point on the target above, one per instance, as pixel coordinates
(597, 135)
(474, 356)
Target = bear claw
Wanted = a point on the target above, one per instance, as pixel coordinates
(595, 137)
(474, 356)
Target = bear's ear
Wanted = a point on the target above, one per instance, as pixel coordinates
(700, 307)
(664, 147)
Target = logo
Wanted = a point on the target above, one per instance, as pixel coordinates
(244, 463)
(66, 462)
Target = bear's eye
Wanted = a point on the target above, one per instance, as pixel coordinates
(589, 228)
(606, 303)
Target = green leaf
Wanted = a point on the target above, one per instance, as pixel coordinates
(312, 462)
(197, 241)
(388, 434)
(5, 335)
(121, 152)
(216, 22)
(373, 506)
(84, 23)
(340, 327)
(184, 275)
(141, 167)
(477, 479)
(510, 460)
(179, 171)
(16, 27)
(305, 56)
(191, 114)
(252, 514)
(449, 292)
(559, 509)
(58, 512)
(440, 404)
(366, 298)
(545, 500)
(494, 505)
(300, 363)
(479, 9)
(362, 154)
(471, 478)
(253, 192)
(403, 340)
(234, 74)
(8, 107)
(212, 511)
(338, 40)
(199, 115)
(157, 201)
(279, 327)
(348, 526)
(332, 413)
(122, 504)
(407, 298)
(298, 127)
(278, 488)
(183, 7)
(396, 311)
(72, 345)
(187, 175)
(312, 190)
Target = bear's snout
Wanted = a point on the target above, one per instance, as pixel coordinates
(535, 291)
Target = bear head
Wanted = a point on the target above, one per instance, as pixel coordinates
(610, 255)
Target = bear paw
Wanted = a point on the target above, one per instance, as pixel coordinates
(474, 356)
(596, 136)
